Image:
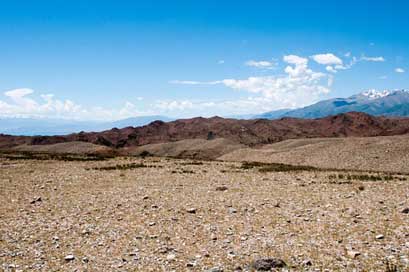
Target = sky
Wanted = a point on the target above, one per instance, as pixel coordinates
(109, 60)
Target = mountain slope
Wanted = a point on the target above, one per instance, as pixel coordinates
(386, 103)
(387, 153)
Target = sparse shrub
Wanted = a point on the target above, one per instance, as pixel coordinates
(24, 155)
(390, 267)
(191, 163)
(276, 167)
(210, 136)
(121, 167)
(145, 154)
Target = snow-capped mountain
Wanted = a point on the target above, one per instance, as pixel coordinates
(374, 94)
(387, 103)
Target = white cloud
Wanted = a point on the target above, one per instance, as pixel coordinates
(327, 59)
(221, 62)
(293, 59)
(21, 104)
(373, 59)
(18, 93)
(330, 69)
(261, 64)
(399, 70)
(299, 86)
(192, 108)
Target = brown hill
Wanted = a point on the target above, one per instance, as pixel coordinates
(64, 148)
(384, 153)
(190, 148)
(248, 132)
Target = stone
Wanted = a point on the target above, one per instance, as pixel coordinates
(307, 263)
(405, 211)
(215, 269)
(232, 210)
(353, 254)
(191, 264)
(267, 264)
(221, 188)
(171, 257)
(35, 200)
(379, 237)
(191, 210)
(69, 258)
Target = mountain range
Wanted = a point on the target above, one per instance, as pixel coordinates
(254, 132)
(377, 103)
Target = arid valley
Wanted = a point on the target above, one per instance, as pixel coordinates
(132, 213)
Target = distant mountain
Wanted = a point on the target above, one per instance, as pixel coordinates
(49, 126)
(385, 103)
(254, 132)
(135, 121)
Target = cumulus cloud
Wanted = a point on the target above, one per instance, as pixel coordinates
(192, 108)
(21, 104)
(332, 62)
(399, 70)
(299, 85)
(327, 59)
(261, 64)
(294, 59)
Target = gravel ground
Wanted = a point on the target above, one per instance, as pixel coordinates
(181, 215)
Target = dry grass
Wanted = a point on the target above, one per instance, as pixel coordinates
(136, 218)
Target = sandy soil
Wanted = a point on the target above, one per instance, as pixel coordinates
(175, 215)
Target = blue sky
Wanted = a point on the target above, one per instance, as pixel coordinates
(117, 59)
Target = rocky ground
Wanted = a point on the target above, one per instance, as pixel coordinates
(155, 214)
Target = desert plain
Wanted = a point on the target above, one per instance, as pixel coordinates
(165, 214)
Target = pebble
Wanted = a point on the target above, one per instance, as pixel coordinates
(191, 264)
(215, 269)
(379, 237)
(405, 211)
(232, 210)
(171, 257)
(353, 254)
(221, 188)
(307, 263)
(69, 258)
(35, 200)
(267, 264)
(191, 210)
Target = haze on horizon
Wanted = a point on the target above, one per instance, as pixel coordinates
(105, 60)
